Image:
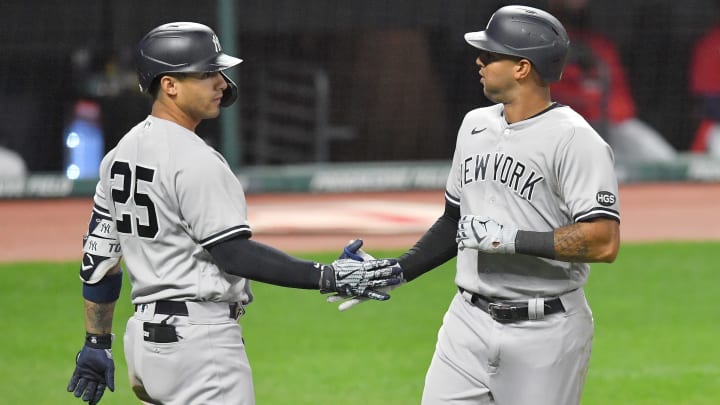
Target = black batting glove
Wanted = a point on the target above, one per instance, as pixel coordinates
(94, 369)
(352, 278)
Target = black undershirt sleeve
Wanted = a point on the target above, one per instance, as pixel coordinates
(435, 247)
(255, 261)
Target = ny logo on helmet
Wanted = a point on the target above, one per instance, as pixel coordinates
(216, 42)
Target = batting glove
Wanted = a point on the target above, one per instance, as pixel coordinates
(353, 251)
(485, 235)
(348, 277)
(94, 369)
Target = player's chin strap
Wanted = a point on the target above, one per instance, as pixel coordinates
(230, 94)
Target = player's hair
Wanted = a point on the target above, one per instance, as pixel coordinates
(154, 88)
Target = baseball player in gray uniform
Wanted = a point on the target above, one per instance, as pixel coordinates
(530, 200)
(171, 207)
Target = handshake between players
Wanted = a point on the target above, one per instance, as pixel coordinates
(347, 277)
(353, 253)
(475, 232)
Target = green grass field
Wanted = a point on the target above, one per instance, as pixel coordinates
(656, 338)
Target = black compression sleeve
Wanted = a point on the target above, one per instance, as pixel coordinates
(541, 244)
(255, 261)
(435, 247)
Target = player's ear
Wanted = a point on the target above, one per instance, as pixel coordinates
(523, 68)
(168, 85)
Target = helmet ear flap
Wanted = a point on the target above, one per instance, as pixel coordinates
(230, 94)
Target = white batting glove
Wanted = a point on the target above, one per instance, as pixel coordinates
(485, 235)
(353, 251)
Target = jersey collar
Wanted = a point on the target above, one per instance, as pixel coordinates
(552, 106)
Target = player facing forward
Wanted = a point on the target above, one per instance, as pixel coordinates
(530, 200)
(171, 207)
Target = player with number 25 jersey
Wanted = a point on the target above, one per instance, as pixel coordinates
(172, 208)
(165, 212)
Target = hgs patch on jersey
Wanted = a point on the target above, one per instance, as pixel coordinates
(605, 198)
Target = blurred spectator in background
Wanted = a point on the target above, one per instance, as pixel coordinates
(84, 143)
(594, 83)
(705, 87)
(109, 97)
(12, 164)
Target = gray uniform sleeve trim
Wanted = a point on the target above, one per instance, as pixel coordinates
(101, 211)
(241, 230)
(452, 199)
(597, 212)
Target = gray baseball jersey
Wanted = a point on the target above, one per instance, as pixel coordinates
(538, 174)
(170, 195)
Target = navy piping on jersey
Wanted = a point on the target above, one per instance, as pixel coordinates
(597, 212)
(101, 211)
(552, 106)
(226, 234)
(452, 199)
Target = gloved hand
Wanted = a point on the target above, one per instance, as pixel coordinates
(353, 250)
(485, 235)
(348, 277)
(94, 369)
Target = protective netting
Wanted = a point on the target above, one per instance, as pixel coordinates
(399, 77)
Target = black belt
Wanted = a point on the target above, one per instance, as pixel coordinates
(506, 312)
(180, 308)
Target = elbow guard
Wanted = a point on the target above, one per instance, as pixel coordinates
(101, 248)
(101, 253)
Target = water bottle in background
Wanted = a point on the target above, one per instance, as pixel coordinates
(84, 143)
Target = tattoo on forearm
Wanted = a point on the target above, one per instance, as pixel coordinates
(98, 317)
(571, 244)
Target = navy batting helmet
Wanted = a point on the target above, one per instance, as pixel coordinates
(528, 33)
(183, 47)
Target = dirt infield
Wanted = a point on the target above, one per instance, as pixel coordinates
(52, 229)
